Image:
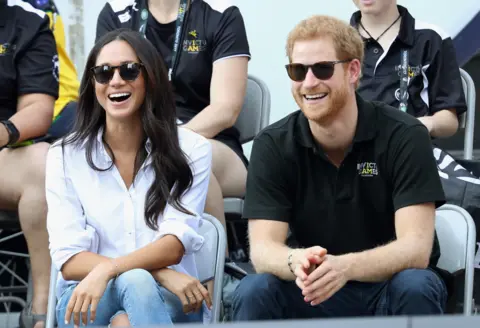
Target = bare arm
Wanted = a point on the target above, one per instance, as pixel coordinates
(90, 260)
(81, 264)
(37, 85)
(227, 92)
(442, 124)
(34, 115)
(268, 251)
(415, 227)
(164, 252)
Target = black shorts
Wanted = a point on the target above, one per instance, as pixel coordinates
(233, 144)
(230, 141)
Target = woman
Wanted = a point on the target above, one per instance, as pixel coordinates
(125, 192)
(208, 73)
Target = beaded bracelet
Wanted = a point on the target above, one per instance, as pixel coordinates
(290, 255)
(117, 271)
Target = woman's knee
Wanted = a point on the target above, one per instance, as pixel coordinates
(228, 169)
(35, 160)
(120, 320)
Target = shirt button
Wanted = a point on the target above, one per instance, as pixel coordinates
(375, 51)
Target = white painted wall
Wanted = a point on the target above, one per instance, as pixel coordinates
(269, 21)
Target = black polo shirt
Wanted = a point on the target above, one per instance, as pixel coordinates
(28, 55)
(434, 76)
(209, 36)
(390, 165)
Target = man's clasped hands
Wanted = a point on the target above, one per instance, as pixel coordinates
(319, 275)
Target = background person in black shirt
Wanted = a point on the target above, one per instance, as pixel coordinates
(209, 77)
(357, 184)
(28, 90)
(435, 92)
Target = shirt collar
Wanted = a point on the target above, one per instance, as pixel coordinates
(102, 156)
(407, 26)
(365, 131)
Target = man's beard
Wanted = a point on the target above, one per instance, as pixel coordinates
(327, 111)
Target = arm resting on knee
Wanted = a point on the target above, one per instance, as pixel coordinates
(412, 249)
(227, 92)
(442, 124)
(81, 264)
(268, 250)
(159, 254)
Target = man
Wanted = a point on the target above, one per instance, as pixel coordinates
(28, 90)
(66, 104)
(433, 83)
(356, 183)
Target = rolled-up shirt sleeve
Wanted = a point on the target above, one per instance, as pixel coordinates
(185, 226)
(67, 228)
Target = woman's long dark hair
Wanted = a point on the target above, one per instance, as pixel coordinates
(158, 115)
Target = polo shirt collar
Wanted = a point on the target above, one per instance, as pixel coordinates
(407, 26)
(366, 125)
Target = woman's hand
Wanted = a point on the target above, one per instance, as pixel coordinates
(188, 289)
(88, 293)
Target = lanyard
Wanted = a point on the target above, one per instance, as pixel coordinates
(403, 97)
(182, 13)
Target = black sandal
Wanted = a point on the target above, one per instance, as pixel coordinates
(28, 319)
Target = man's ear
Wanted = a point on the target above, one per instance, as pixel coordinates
(355, 71)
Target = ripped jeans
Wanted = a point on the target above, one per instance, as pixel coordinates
(137, 294)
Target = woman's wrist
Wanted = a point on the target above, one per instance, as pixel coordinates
(161, 274)
(108, 268)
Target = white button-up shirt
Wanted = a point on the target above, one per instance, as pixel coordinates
(90, 210)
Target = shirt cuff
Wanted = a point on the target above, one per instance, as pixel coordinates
(87, 241)
(191, 240)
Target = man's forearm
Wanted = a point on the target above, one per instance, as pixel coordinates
(272, 258)
(381, 263)
(211, 121)
(445, 123)
(32, 122)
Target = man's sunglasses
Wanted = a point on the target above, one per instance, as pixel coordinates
(322, 70)
(128, 72)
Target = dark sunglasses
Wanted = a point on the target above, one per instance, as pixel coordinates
(322, 70)
(128, 72)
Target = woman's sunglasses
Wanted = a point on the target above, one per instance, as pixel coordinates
(322, 70)
(128, 72)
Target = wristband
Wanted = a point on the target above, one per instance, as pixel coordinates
(13, 133)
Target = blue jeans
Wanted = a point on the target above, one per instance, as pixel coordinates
(410, 292)
(137, 294)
